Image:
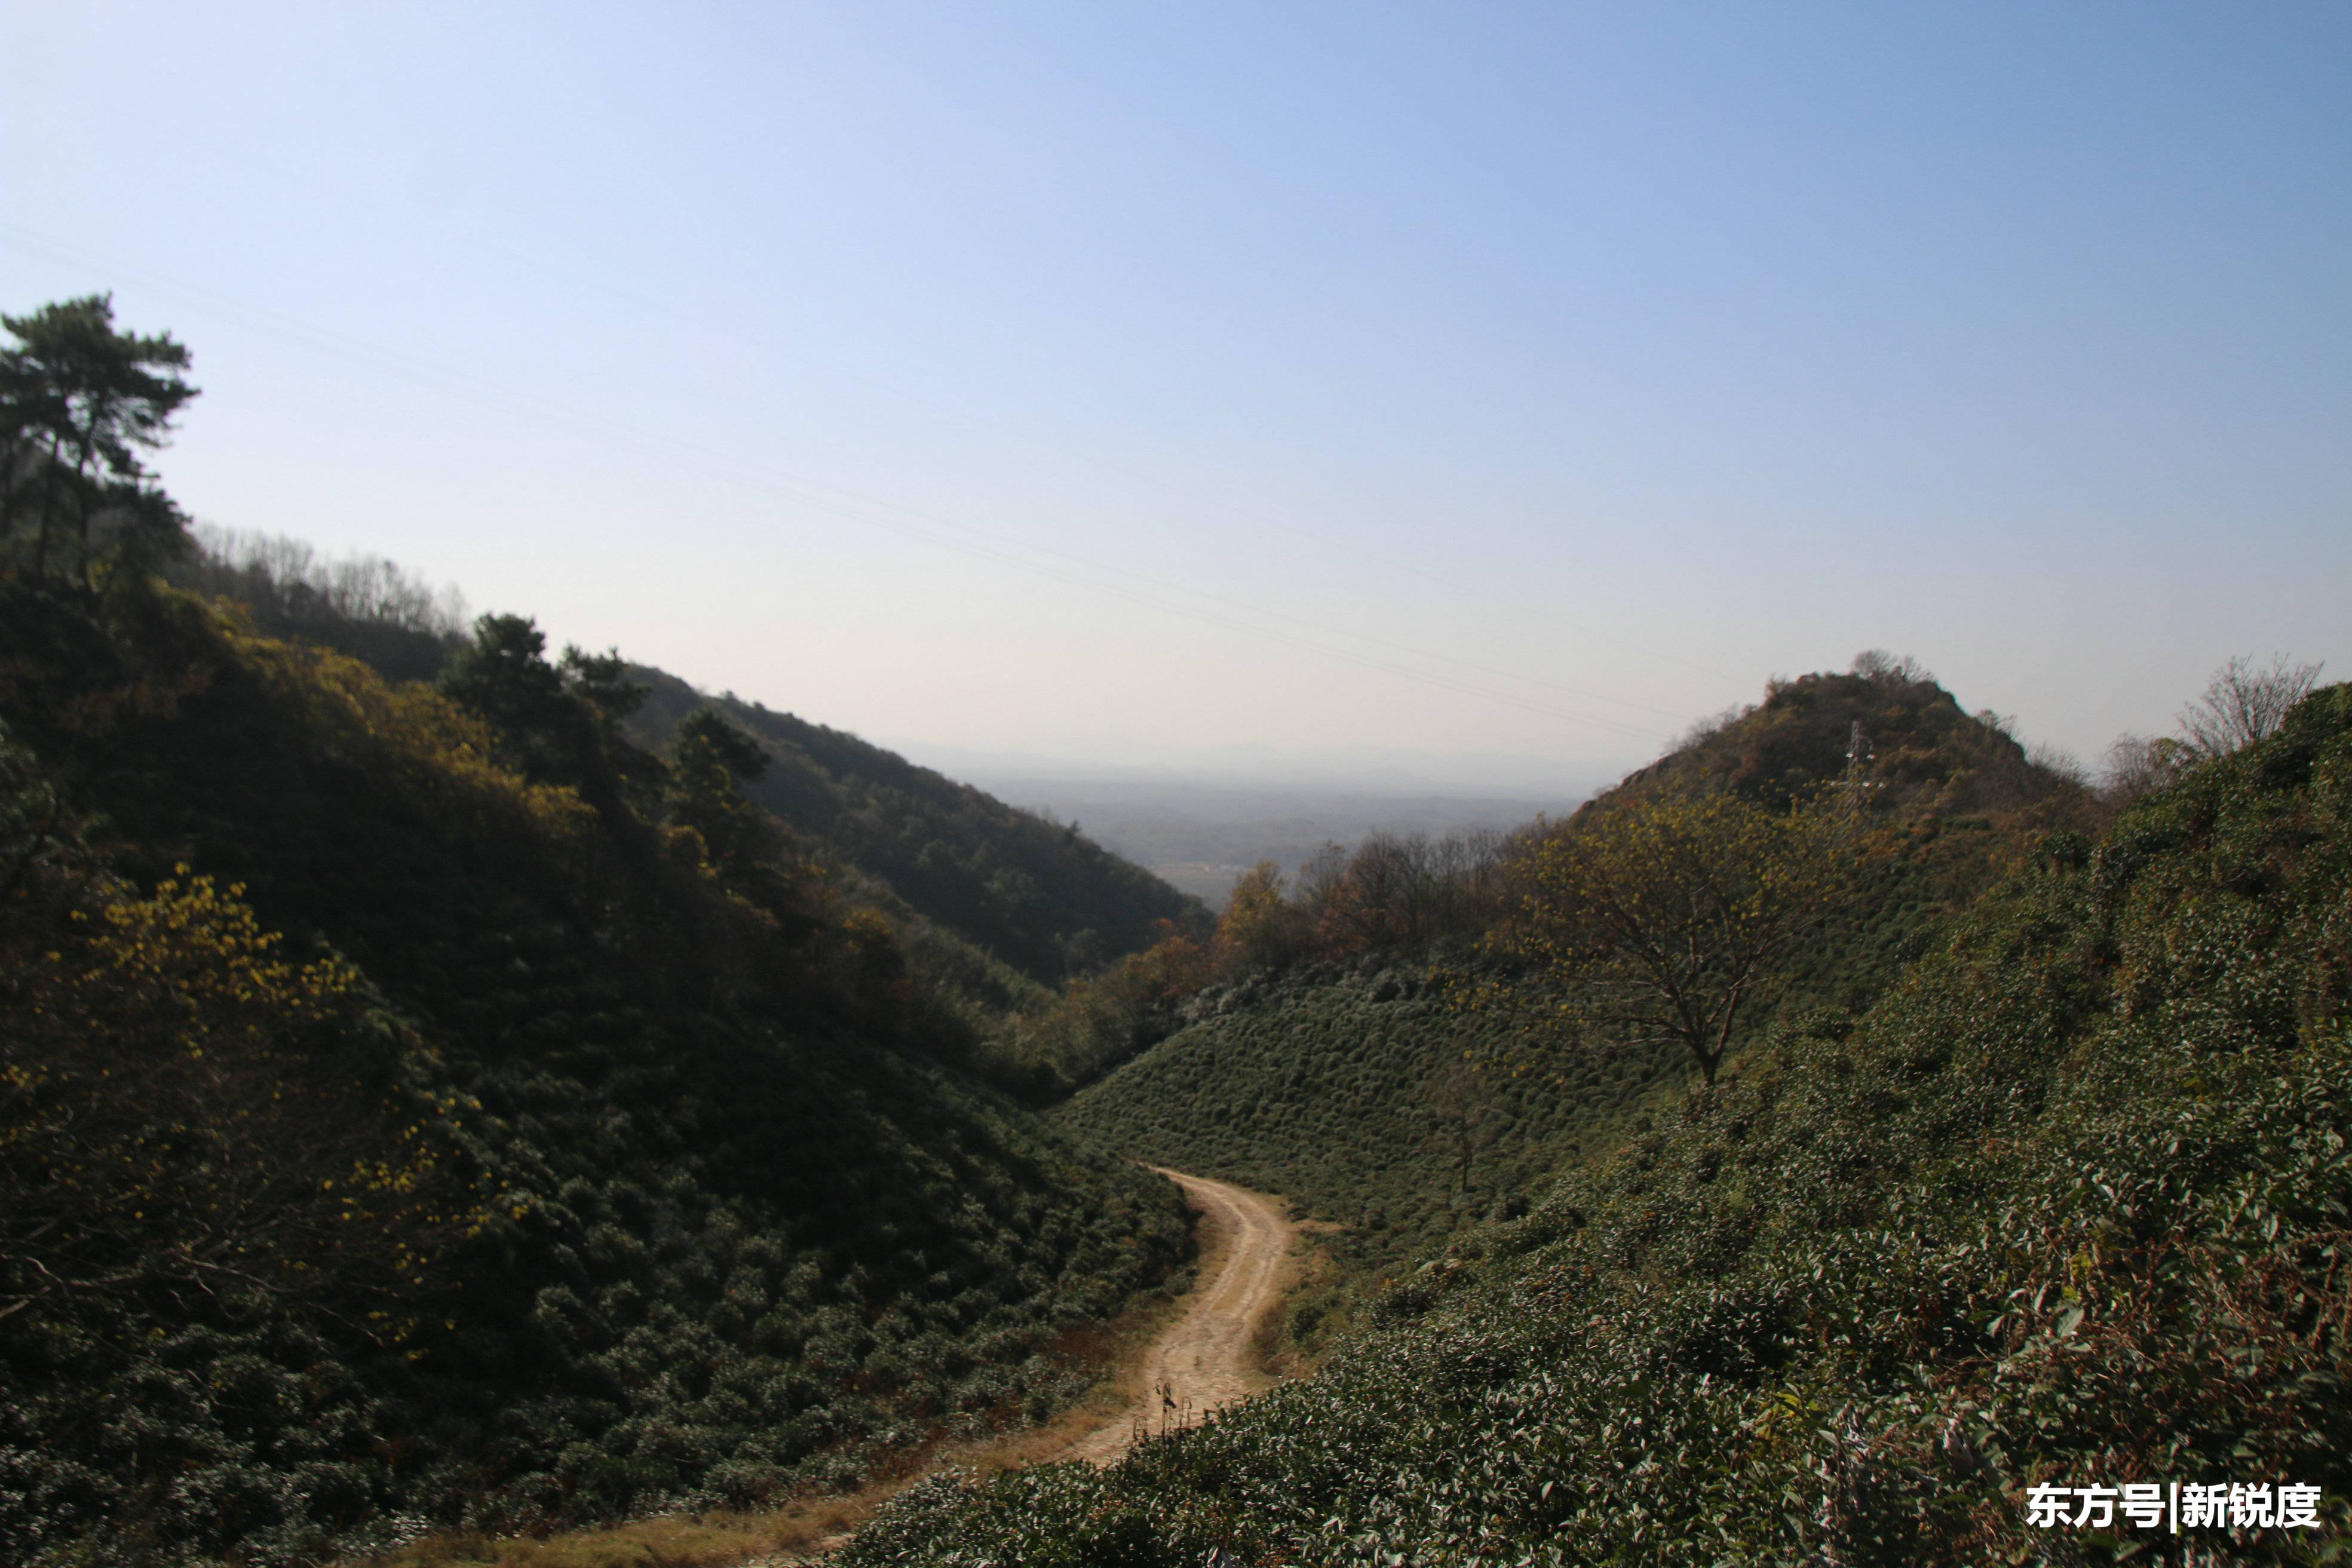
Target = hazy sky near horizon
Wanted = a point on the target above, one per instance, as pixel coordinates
(1491, 389)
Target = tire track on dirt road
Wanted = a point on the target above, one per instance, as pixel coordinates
(1208, 1358)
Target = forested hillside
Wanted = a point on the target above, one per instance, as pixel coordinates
(421, 1104)
(529, 1159)
(992, 901)
(1886, 728)
(1039, 895)
(2066, 1204)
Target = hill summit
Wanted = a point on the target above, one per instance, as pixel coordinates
(2055, 1216)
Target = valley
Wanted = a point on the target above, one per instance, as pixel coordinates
(1061, 786)
(469, 1102)
(1162, 1368)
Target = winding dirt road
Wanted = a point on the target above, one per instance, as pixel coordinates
(1208, 1358)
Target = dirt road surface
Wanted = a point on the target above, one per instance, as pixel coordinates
(1208, 1358)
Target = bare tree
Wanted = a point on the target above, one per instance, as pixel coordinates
(2139, 765)
(1405, 891)
(289, 576)
(1676, 917)
(2052, 757)
(1890, 669)
(1383, 896)
(1463, 1112)
(2243, 705)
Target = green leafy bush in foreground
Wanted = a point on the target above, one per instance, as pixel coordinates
(2068, 1205)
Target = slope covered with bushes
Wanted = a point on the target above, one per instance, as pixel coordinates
(419, 1110)
(991, 900)
(1954, 802)
(2068, 1205)
(1368, 1095)
(1038, 896)
(1886, 726)
(1357, 1039)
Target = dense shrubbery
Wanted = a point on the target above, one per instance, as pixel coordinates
(1368, 1095)
(2068, 1205)
(663, 1194)
(1919, 753)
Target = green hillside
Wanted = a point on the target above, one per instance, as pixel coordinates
(1921, 753)
(1368, 1096)
(1361, 1026)
(1038, 896)
(407, 1117)
(2065, 1206)
(1958, 797)
(991, 901)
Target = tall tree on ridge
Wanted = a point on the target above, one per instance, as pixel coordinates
(78, 401)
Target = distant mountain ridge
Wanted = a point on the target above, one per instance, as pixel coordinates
(994, 900)
(1201, 835)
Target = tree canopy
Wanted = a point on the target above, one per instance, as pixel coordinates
(1674, 916)
(79, 401)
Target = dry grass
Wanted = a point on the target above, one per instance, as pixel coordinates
(677, 1541)
(1309, 1271)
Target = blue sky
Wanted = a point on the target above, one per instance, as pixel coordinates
(1486, 390)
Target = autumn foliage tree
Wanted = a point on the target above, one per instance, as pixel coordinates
(194, 1122)
(1403, 892)
(1100, 1020)
(1674, 918)
(1261, 928)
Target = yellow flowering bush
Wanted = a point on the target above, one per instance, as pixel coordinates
(187, 1109)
